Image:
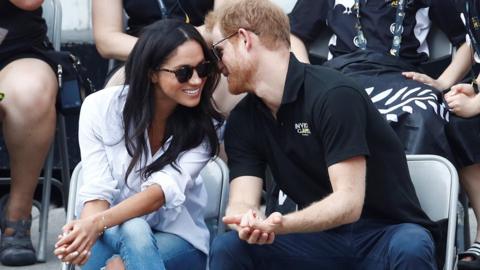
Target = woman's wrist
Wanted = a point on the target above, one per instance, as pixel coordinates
(100, 224)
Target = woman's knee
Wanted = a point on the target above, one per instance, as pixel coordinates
(29, 84)
(136, 233)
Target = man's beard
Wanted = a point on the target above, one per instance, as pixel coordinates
(239, 78)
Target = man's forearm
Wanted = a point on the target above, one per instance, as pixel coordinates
(335, 210)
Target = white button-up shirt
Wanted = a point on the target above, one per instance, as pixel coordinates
(105, 161)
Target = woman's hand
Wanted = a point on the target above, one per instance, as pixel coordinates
(77, 240)
(425, 79)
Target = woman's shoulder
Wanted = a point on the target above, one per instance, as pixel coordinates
(109, 100)
(106, 95)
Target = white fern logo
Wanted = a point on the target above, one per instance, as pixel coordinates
(406, 100)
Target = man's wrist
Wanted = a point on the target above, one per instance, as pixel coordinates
(475, 86)
(477, 103)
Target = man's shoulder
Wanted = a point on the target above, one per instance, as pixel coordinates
(320, 80)
(247, 104)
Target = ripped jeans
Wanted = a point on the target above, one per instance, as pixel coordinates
(141, 248)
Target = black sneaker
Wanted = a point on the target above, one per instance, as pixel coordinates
(16, 249)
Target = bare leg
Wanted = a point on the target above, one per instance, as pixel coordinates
(299, 49)
(115, 264)
(223, 99)
(225, 103)
(470, 178)
(28, 116)
(118, 78)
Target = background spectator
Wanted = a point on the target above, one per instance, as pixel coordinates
(29, 83)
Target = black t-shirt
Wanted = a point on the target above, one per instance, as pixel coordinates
(144, 12)
(25, 28)
(323, 119)
(377, 16)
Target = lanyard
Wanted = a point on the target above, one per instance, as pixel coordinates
(472, 24)
(397, 28)
(163, 8)
(165, 13)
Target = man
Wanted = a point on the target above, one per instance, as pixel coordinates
(328, 149)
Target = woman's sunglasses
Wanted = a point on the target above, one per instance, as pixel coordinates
(185, 73)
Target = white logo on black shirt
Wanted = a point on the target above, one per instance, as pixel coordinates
(302, 129)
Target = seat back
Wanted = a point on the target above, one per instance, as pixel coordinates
(439, 45)
(436, 184)
(215, 177)
(52, 13)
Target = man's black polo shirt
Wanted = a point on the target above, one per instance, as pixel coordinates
(324, 118)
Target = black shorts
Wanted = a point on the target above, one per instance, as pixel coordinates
(27, 51)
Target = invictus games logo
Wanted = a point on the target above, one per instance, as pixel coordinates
(475, 23)
(302, 129)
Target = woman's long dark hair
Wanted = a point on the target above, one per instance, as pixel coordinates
(188, 127)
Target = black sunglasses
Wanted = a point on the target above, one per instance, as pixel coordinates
(185, 73)
(218, 52)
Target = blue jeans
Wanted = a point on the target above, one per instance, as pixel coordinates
(365, 245)
(140, 248)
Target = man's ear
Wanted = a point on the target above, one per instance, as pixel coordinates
(245, 38)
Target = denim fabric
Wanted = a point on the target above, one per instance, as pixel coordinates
(140, 248)
(361, 245)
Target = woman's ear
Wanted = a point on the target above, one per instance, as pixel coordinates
(153, 77)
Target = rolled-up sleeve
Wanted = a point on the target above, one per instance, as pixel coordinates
(174, 182)
(97, 181)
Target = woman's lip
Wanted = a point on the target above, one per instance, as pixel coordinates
(191, 92)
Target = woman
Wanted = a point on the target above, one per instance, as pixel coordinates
(115, 41)
(28, 81)
(142, 147)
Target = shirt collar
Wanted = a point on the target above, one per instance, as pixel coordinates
(293, 84)
(294, 81)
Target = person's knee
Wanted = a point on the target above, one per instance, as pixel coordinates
(136, 234)
(26, 92)
(412, 245)
(226, 245)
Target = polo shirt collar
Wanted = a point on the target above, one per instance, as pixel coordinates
(293, 84)
(294, 81)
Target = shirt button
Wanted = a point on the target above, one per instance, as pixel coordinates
(281, 124)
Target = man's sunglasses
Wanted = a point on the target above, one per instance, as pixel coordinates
(185, 73)
(218, 52)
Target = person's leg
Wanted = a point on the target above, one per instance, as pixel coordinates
(28, 118)
(396, 247)
(178, 254)
(101, 252)
(224, 100)
(323, 250)
(136, 244)
(117, 78)
(470, 179)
